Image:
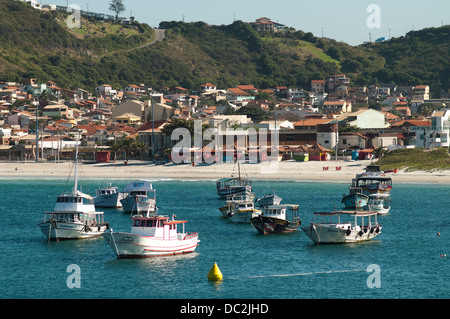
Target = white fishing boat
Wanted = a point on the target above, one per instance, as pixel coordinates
(74, 215)
(152, 236)
(109, 196)
(379, 203)
(242, 212)
(355, 226)
(250, 197)
(140, 198)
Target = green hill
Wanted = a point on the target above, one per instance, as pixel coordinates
(39, 44)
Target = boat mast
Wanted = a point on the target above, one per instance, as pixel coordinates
(239, 171)
(75, 186)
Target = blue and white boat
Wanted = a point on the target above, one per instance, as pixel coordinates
(140, 198)
(356, 198)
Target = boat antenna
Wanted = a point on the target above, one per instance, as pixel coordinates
(75, 186)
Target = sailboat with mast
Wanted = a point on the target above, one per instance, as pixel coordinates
(74, 215)
(234, 186)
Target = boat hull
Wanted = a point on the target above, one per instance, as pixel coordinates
(355, 200)
(55, 230)
(127, 245)
(268, 225)
(330, 234)
(138, 204)
(381, 210)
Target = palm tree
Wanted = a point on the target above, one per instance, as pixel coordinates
(141, 147)
(127, 145)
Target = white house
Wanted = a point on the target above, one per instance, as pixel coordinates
(438, 134)
(106, 90)
(364, 119)
(208, 87)
(421, 92)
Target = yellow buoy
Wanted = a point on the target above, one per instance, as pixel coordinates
(214, 273)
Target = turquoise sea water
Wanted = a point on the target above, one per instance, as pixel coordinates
(410, 255)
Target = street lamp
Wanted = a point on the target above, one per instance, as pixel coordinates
(36, 150)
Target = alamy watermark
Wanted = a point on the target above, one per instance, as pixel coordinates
(374, 19)
(374, 279)
(74, 279)
(73, 21)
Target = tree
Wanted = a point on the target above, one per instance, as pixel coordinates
(255, 113)
(117, 6)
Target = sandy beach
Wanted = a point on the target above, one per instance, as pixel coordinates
(340, 171)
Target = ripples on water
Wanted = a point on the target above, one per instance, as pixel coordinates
(282, 266)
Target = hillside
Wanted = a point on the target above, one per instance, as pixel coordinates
(39, 44)
(416, 159)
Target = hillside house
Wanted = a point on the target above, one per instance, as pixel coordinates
(352, 140)
(335, 81)
(237, 95)
(364, 119)
(57, 110)
(207, 87)
(105, 90)
(333, 107)
(128, 119)
(266, 25)
(317, 86)
(421, 92)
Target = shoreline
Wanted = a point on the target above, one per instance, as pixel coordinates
(313, 171)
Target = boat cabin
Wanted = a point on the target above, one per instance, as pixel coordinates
(225, 184)
(75, 203)
(140, 189)
(161, 227)
(89, 218)
(285, 212)
(372, 179)
(355, 219)
(242, 205)
(107, 191)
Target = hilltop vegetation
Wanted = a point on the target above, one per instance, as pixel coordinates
(39, 44)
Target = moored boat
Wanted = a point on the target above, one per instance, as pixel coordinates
(235, 198)
(373, 181)
(363, 227)
(277, 219)
(242, 212)
(269, 199)
(74, 215)
(140, 198)
(234, 185)
(109, 196)
(152, 236)
(379, 203)
(356, 198)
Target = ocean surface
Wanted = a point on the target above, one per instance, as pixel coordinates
(410, 258)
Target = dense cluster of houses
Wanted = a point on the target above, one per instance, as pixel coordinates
(331, 115)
